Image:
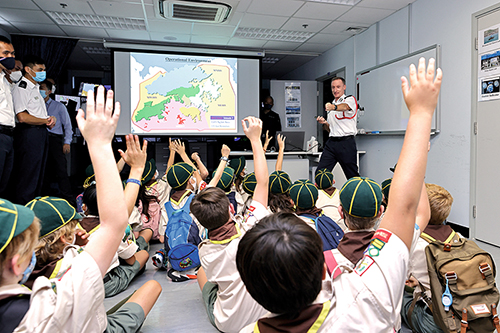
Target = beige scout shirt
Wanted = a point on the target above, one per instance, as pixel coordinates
(234, 307)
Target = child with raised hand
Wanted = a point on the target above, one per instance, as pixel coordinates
(238, 165)
(229, 306)
(369, 296)
(328, 196)
(74, 302)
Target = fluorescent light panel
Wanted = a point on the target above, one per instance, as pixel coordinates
(97, 21)
(273, 34)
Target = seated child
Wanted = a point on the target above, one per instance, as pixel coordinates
(226, 184)
(328, 196)
(229, 306)
(279, 196)
(74, 302)
(386, 186)
(238, 165)
(282, 264)
(248, 186)
(440, 201)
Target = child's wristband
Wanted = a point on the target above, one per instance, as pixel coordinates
(135, 181)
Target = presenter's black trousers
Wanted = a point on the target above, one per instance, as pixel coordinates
(6, 157)
(56, 170)
(342, 150)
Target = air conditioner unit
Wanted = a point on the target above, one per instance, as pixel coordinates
(194, 10)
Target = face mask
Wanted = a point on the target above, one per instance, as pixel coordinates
(39, 76)
(29, 269)
(8, 62)
(43, 93)
(15, 77)
(53, 91)
(268, 106)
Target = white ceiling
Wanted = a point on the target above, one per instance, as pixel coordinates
(328, 23)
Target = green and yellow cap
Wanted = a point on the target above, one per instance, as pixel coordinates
(149, 171)
(304, 194)
(238, 165)
(386, 186)
(179, 174)
(249, 183)
(14, 219)
(324, 179)
(226, 180)
(53, 213)
(279, 182)
(361, 197)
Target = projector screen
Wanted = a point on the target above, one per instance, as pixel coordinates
(182, 94)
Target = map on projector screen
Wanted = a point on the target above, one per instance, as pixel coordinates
(183, 94)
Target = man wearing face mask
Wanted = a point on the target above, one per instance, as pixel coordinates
(31, 136)
(7, 116)
(15, 75)
(270, 120)
(60, 137)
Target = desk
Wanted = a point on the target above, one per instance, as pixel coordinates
(298, 164)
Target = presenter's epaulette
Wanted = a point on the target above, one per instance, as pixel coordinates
(23, 84)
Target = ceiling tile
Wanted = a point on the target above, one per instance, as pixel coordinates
(242, 6)
(276, 45)
(8, 28)
(321, 11)
(19, 4)
(234, 18)
(160, 37)
(314, 47)
(262, 21)
(84, 32)
(213, 29)
(128, 34)
(112, 8)
(170, 26)
(257, 43)
(28, 16)
(275, 7)
(297, 24)
(209, 40)
(340, 28)
(150, 12)
(40, 29)
(73, 6)
(385, 4)
(366, 16)
(330, 39)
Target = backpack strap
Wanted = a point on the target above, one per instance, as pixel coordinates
(422, 295)
(331, 264)
(496, 321)
(463, 323)
(429, 239)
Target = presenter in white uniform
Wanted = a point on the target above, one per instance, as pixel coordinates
(30, 136)
(341, 123)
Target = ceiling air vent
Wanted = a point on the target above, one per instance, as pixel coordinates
(355, 30)
(201, 11)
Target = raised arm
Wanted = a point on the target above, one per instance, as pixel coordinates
(322, 121)
(98, 127)
(421, 98)
(423, 209)
(171, 157)
(266, 142)
(136, 159)
(252, 131)
(201, 167)
(222, 164)
(281, 144)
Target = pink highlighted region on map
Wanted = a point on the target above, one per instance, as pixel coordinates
(174, 119)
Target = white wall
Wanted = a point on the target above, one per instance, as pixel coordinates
(422, 24)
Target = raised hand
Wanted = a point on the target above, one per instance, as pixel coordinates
(281, 142)
(321, 120)
(254, 128)
(225, 151)
(135, 156)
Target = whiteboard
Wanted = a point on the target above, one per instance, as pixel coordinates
(382, 109)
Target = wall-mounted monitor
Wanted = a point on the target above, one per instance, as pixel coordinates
(185, 94)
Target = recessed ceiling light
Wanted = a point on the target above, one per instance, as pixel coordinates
(98, 21)
(338, 2)
(273, 34)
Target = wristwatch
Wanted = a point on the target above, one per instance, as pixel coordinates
(224, 158)
(335, 107)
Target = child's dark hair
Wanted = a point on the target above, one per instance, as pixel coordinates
(90, 200)
(281, 262)
(280, 202)
(211, 207)
(146, 198)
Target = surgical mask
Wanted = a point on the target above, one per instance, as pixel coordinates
(39, 76)
(43, 93)
(268, 106)
(29, 269)
(15, 77)
(53, 91)
(8, 62)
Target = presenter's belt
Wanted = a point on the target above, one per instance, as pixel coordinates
(8, 130)
(54, 135)
(341, 138)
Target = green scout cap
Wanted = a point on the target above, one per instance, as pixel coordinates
(14, 219)
(386, 186)
(89, 173)
(238, 165)
(279, 182)
(179, 174)
(53, 213)
(304, 194)
(226, 180)
(249, 183)
(149, 171)
(361, 197)
(324, 179)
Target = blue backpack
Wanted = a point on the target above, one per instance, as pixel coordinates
(181, 237)
(328, 230)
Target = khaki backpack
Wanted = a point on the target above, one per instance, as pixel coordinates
(460, 269)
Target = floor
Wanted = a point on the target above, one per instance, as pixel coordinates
(179, 308)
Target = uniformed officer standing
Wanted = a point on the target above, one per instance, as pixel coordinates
(31, 136)
(270, 120)
(7, 117)
(341, 123)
